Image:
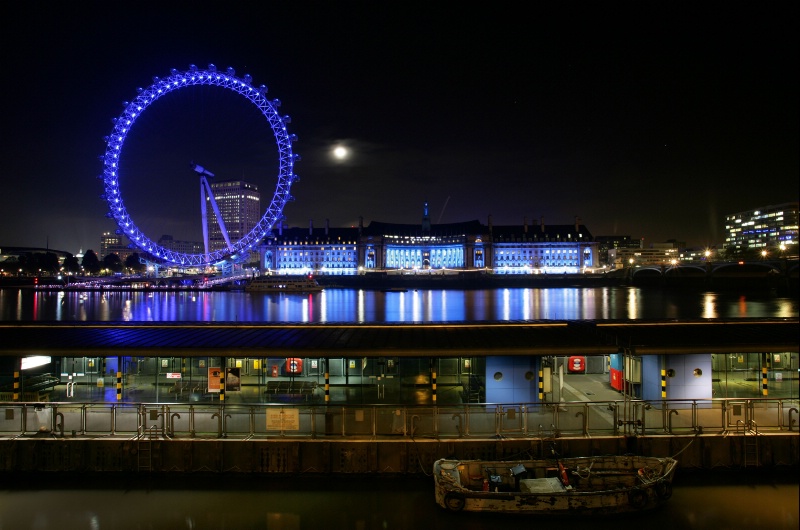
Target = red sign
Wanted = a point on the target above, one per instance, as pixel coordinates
(294, 365)
(576, 364)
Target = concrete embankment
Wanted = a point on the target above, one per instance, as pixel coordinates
(370, 456)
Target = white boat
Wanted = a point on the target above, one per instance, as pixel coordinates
(283, 284)
(560, 486)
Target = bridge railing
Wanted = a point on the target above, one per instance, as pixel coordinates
(495, 420)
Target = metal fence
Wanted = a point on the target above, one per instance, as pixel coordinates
(477, 421)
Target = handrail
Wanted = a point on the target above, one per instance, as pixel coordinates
(565, 419)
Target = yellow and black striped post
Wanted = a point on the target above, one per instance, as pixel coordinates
(433, 382)
(663, 384)
(119, 378)
(764, 366)
(541, 384)
(15, 396)
(327, 383)
(222, 382)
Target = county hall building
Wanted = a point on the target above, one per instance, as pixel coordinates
(534, 248)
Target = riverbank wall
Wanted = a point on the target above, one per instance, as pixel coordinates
(407, 456)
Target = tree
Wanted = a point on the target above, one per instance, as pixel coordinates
(133, 264)
(91, 263)
(112, 262)
(50, 262)
(71, 264)
(39, 263)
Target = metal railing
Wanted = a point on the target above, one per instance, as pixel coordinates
(496, 420)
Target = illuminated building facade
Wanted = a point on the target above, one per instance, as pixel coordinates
(765, 228)
(657, 254)
(239, 205)
(111, 243)
(606, 243)
(471, 245)
(186, 247)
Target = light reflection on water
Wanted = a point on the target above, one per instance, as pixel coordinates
(700, 501)
(352, 305)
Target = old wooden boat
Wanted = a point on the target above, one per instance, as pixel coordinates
(558, 486)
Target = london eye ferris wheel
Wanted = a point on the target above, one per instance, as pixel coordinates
(112, 174)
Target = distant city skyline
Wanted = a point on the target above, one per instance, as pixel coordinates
(195, 246)
(656, 123)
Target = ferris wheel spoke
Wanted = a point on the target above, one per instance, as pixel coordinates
(178, 80)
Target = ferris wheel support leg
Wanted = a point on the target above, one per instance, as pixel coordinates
(220, 220)
(204, 215)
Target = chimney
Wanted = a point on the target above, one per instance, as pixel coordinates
(490, 222)
(280, 227)
(577, 224)
(525, 225)
(327, 225)
(541, 223)
(311, 227)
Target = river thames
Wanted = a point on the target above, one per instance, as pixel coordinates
(367, 306)
(723, 499)
(720, 500)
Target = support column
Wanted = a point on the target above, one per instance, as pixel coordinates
(541, 381)
(222, 379)
(433, 380)
(119, 379)
(17, 374)
(764, 367)
(327, 382)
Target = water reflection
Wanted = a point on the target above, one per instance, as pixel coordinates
(731, 500)
(351, 305)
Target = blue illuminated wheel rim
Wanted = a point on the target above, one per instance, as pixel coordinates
(146, 97)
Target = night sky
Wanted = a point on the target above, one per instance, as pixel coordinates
(647, 119)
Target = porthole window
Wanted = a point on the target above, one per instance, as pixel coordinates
(670, 373)
(498, 376)
(698, 372)
(529, 376)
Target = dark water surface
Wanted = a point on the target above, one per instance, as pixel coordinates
(716, 500)
(365, 306)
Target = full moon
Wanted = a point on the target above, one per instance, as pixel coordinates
(340, 153)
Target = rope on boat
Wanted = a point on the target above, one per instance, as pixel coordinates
(588, 470)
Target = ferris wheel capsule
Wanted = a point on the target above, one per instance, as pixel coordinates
(123, 124)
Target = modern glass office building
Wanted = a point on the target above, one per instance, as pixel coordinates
(765, 228)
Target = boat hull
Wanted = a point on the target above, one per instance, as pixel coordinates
(575, 486)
